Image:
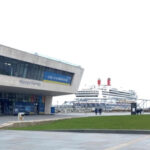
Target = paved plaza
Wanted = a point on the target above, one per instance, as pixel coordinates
(48, 140)
(37, 140)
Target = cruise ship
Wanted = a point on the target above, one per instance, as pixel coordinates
(104, 96)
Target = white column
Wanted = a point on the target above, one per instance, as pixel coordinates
(48, 104)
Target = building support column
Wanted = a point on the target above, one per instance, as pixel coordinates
(48, 104)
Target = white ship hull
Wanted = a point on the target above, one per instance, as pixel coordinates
(105, 97)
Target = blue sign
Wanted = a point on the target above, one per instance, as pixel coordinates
(57, 78)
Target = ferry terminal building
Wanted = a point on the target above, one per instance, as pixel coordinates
(28, 82)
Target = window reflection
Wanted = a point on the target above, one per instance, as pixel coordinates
(17, 68)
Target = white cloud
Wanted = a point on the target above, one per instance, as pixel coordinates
(107, 38)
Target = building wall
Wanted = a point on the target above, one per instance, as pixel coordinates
(11, 84)
(23, 85)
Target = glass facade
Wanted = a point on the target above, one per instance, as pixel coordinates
(17, 68)
(12, 103)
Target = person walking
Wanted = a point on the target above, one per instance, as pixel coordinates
(100, 111)
(95, 111)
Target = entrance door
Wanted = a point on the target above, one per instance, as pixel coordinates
(6, 107)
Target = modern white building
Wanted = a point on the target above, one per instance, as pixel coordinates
(28, 82)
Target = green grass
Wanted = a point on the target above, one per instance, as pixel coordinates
(98, 122)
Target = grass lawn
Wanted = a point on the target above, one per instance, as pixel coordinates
(98, 122)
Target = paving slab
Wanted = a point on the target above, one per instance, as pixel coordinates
(25, 140)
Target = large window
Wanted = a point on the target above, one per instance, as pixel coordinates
(17, 68)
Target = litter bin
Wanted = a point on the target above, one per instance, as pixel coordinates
(133, 108)
(20, 116)
(52, 110)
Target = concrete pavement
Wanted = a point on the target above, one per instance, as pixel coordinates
(37, 140)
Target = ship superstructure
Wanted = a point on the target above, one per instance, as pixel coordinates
(104, 96)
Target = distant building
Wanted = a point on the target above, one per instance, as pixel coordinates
(28, 82)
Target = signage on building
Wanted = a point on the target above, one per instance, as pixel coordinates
(57, 78)
(30, 83)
